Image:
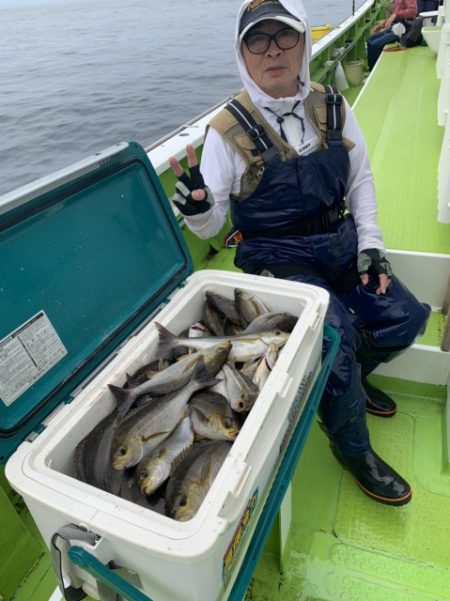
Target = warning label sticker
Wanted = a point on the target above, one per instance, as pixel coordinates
(26, 355)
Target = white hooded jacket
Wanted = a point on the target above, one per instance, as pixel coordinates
(222, 167)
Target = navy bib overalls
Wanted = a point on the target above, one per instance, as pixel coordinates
(293, 226)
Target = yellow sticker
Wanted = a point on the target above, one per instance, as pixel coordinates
(232, 552)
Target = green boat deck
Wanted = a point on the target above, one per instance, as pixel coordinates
(397, 112)
(343, 546)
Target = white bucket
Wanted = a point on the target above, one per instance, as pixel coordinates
(354, 72)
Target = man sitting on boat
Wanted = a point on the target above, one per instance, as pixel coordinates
(289, 161)
(383, 32)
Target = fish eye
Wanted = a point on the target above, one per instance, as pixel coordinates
(182, 501)
(123, 450)
(228, 423)
(143, 475)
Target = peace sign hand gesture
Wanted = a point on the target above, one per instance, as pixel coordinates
(192, 196)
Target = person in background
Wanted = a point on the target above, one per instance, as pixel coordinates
(383, 33)
(288, 159)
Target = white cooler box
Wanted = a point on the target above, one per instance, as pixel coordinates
(173, 561)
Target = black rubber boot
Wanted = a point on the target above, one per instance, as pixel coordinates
(377, 401)
(376, 478)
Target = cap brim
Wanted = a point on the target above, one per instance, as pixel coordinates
(294, 23)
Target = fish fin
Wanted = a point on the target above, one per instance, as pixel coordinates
(201, 375)
(250, 384)
(124, 399)
(200, 415)
(167, 341)
(180, 458)
(156, 435)
(205, 475)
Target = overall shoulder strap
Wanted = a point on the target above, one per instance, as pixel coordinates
(254, 130)
(244, 127)
(325, 107)
(334, 106)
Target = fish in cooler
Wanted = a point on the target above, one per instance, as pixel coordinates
(235, 386)
(248, 305)
(245, 347)
(185, 409)
(193, 477)
(155, 468)
(145, 427)
(212, 416)
(173, 377)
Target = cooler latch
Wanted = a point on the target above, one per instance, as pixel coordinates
(59, 545)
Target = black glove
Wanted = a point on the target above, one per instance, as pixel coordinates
(182, 198)
(373, 262)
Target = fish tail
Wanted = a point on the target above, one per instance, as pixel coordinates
(124, 398)
(167, 341)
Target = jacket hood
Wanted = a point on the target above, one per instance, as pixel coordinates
(295, 8)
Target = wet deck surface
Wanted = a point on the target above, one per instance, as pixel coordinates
(346, 547)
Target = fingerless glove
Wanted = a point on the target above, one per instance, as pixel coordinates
(373, 262)
(182, 198)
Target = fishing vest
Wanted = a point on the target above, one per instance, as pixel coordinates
(246, 145)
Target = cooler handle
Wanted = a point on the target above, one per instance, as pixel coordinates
(65, 535)
(99, 571)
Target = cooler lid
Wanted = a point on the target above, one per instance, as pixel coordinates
(88, 254)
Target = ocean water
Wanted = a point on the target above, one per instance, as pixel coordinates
(79, 75)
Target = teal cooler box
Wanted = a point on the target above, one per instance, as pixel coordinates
(90, 258)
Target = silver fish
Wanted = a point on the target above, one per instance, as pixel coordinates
(130, 491)
(154, 469)
(144, 428)
(232, 329)
(92, 456)
(146, 372)
(248, 305)
(265, 366)
(213, 319)
(212, 417)
(272, 321)
(173, 377)
(240, 391)
(225, 305)
(244, 348)
(193, 477)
